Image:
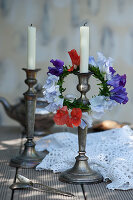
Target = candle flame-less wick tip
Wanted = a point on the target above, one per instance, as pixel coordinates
(85, 23)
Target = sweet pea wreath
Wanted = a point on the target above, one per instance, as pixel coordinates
(111, 91)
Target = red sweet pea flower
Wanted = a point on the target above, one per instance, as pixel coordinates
(76, 115)
(75, 58)
(69, 122)
(62, 116)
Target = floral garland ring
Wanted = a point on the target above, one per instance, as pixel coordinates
(111, 91)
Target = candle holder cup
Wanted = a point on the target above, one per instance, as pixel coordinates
(81, 173)
(29, 158)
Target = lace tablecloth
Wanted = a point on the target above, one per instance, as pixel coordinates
(110, 153)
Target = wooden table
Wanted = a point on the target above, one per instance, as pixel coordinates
(11, 144)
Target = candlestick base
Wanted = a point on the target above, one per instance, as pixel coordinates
(29, 157)
(81, 173)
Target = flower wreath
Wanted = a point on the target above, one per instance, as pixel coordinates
(111, 91)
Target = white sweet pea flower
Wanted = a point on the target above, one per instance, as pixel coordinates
(59, 101)
(104, 65)
(50, 85)
(99, 104)
(53, 89)
(50, 94)
(51, 81)
(92, 61)
(109, 104)
(86, 120)
(54, 106)
(101, 62)
(49, 97)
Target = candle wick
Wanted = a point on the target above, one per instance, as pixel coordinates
(31, 25)
(85, 23)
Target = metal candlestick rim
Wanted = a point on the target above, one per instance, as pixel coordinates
(31, 70)
(83, 74)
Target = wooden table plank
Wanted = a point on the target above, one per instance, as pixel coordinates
(9, 146)
(100, 192)
(47, 178)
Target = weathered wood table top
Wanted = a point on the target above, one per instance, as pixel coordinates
(11, 143)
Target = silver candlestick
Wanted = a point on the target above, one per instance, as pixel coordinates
(29, 157)
(81, 173)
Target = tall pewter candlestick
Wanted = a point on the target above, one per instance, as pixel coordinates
(81, 173)
(29, 157)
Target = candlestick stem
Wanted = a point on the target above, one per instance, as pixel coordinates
(81, 173)
(29, 157)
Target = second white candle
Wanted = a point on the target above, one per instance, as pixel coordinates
(84, 49)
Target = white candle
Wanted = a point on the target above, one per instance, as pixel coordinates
(31, 47)
(84, 49)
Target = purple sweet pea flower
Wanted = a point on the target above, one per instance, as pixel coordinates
(119, 94)
(57, 63)
(117, 81)
(111, 69)
(58, 69)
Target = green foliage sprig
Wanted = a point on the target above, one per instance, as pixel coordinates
(104, 89)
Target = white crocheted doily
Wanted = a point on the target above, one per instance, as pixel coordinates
(110, 153)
